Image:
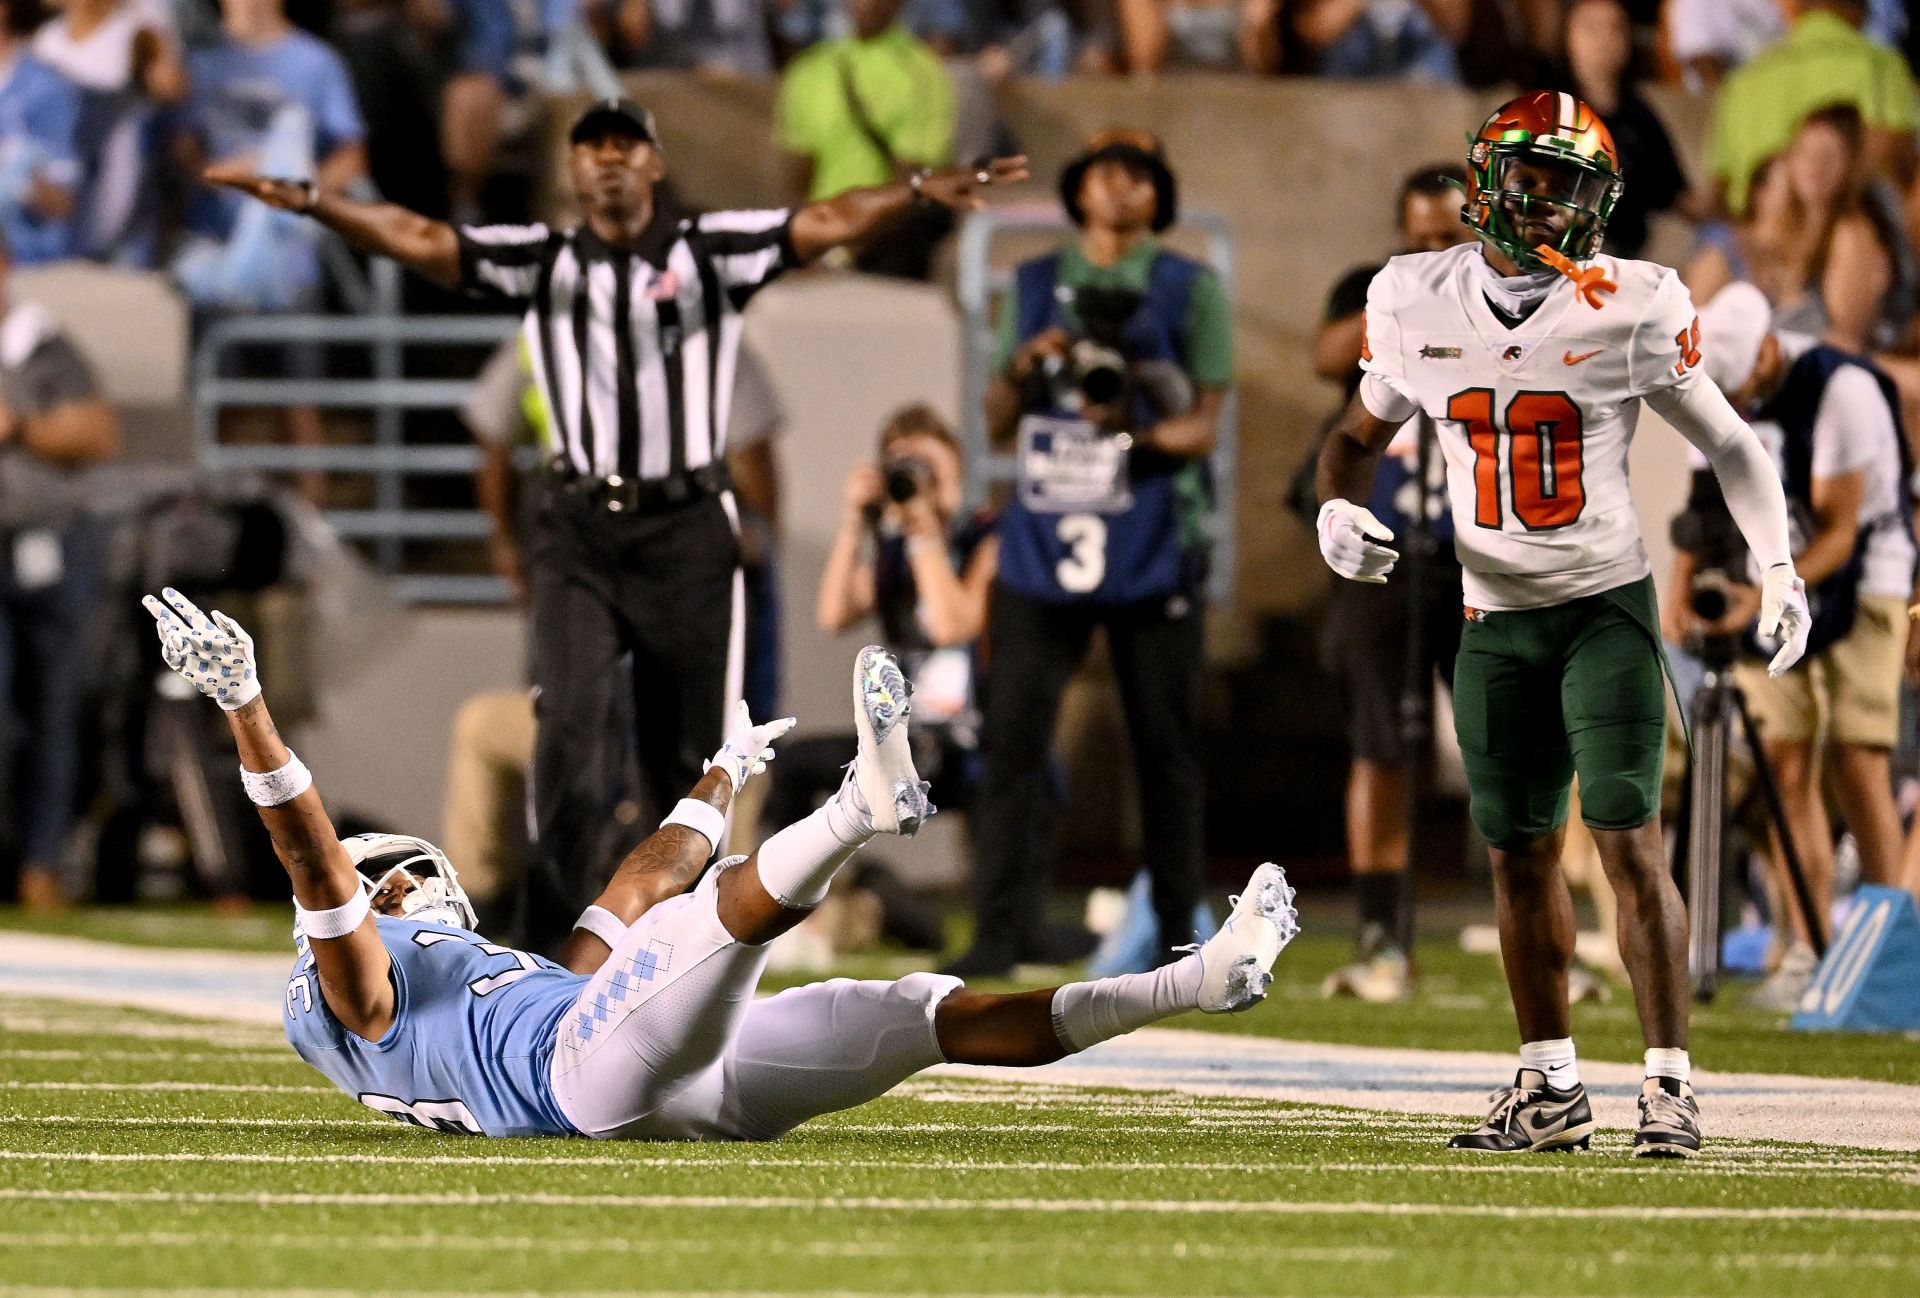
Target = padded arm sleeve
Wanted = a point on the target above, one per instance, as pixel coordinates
(1748, 479)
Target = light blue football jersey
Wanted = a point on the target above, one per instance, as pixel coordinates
(472, 1037)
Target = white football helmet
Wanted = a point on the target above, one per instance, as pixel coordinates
(436, 898)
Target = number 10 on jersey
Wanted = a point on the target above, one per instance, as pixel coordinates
(1542, 437)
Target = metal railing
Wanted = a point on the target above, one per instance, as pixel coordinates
(980, 282)
(387, 394)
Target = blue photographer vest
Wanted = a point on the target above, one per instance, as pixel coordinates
(1091, 523)
(1795, 407)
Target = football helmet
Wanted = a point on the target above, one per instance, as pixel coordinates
(436, 896)
(1543, 177)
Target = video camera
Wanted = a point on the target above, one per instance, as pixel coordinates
(1706, 530)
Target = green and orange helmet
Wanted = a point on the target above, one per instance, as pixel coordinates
(1542, 178)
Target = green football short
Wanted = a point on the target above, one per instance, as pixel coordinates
(1540, 695)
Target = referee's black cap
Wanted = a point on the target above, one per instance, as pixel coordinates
(613, 114)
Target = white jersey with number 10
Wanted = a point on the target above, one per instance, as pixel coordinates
(1535, 420)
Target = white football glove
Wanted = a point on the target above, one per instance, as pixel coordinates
(1349, 537)
(748, 748)
(213, 653)
(1784, 615)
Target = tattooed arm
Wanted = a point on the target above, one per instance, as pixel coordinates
(664, 865)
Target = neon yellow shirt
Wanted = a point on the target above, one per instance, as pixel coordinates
(1823, 61)
(906, 95)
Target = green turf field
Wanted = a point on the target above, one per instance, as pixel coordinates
(146, 1153)
(140, 1152)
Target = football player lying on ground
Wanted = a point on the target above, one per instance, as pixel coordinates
(650, 1029)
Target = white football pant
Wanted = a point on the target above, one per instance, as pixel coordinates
(667, 1043)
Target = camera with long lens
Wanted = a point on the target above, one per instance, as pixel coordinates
(1706, 530)
(1096, 369)
(1711, 597)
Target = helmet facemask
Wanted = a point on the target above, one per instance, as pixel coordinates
(388, 860)
(1526, 194)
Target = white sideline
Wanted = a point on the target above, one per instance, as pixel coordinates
(1003, 1203)
(1741, 1106)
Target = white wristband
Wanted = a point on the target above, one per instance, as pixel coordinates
(701, 818)
(603, 924)
(273, 788)
(337, 922)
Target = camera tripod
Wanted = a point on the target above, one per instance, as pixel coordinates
(1701, 828)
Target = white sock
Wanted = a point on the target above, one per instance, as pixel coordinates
(798, 863)
(1555, 1059)
(1085, 1014)
(1663, 1061)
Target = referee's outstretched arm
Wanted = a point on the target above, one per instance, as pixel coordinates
(423, 245)
(846, 218)
(431, 248)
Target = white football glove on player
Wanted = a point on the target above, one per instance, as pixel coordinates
(213, 653)
(748, 748)
(1784, 615)
(1349, 542)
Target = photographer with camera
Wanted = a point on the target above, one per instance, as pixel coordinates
(1831, 420)
(1114, 359)
(904, 556)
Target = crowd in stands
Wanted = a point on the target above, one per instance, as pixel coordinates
(107, 104)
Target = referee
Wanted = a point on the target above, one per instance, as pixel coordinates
(632, 330)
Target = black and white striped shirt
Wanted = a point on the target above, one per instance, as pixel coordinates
(634, 350)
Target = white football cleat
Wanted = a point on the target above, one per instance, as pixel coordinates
(1238, 960)
(883, 773)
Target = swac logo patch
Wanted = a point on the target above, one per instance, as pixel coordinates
(1432, 353)
(1513, 353)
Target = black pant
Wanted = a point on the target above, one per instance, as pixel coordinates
(1036, 647)
(653, 594)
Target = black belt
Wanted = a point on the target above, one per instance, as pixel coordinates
(622, 495)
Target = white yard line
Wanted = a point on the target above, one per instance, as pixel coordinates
(113, 1120)
(281, 1056)
(41, 1291)
(880, 1203)
(137, 1087)
(1785, 1169)
(996, 1248)
(650, 1245)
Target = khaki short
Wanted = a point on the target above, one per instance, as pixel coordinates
(1853, 686)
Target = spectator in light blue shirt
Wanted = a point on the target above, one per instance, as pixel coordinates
(39, 158)
(268, 93)
(280, 101)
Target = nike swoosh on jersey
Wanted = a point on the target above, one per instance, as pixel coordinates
(1568, 358)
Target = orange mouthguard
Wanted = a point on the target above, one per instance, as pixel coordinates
(1589, 282)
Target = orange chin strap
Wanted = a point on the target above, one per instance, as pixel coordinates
(1589, 281)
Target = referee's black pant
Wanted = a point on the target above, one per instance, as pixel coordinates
(636, 653)
(1157, 648)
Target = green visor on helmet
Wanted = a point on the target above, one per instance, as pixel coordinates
(1533, 195)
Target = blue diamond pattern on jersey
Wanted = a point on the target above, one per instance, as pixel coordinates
(646, 965)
